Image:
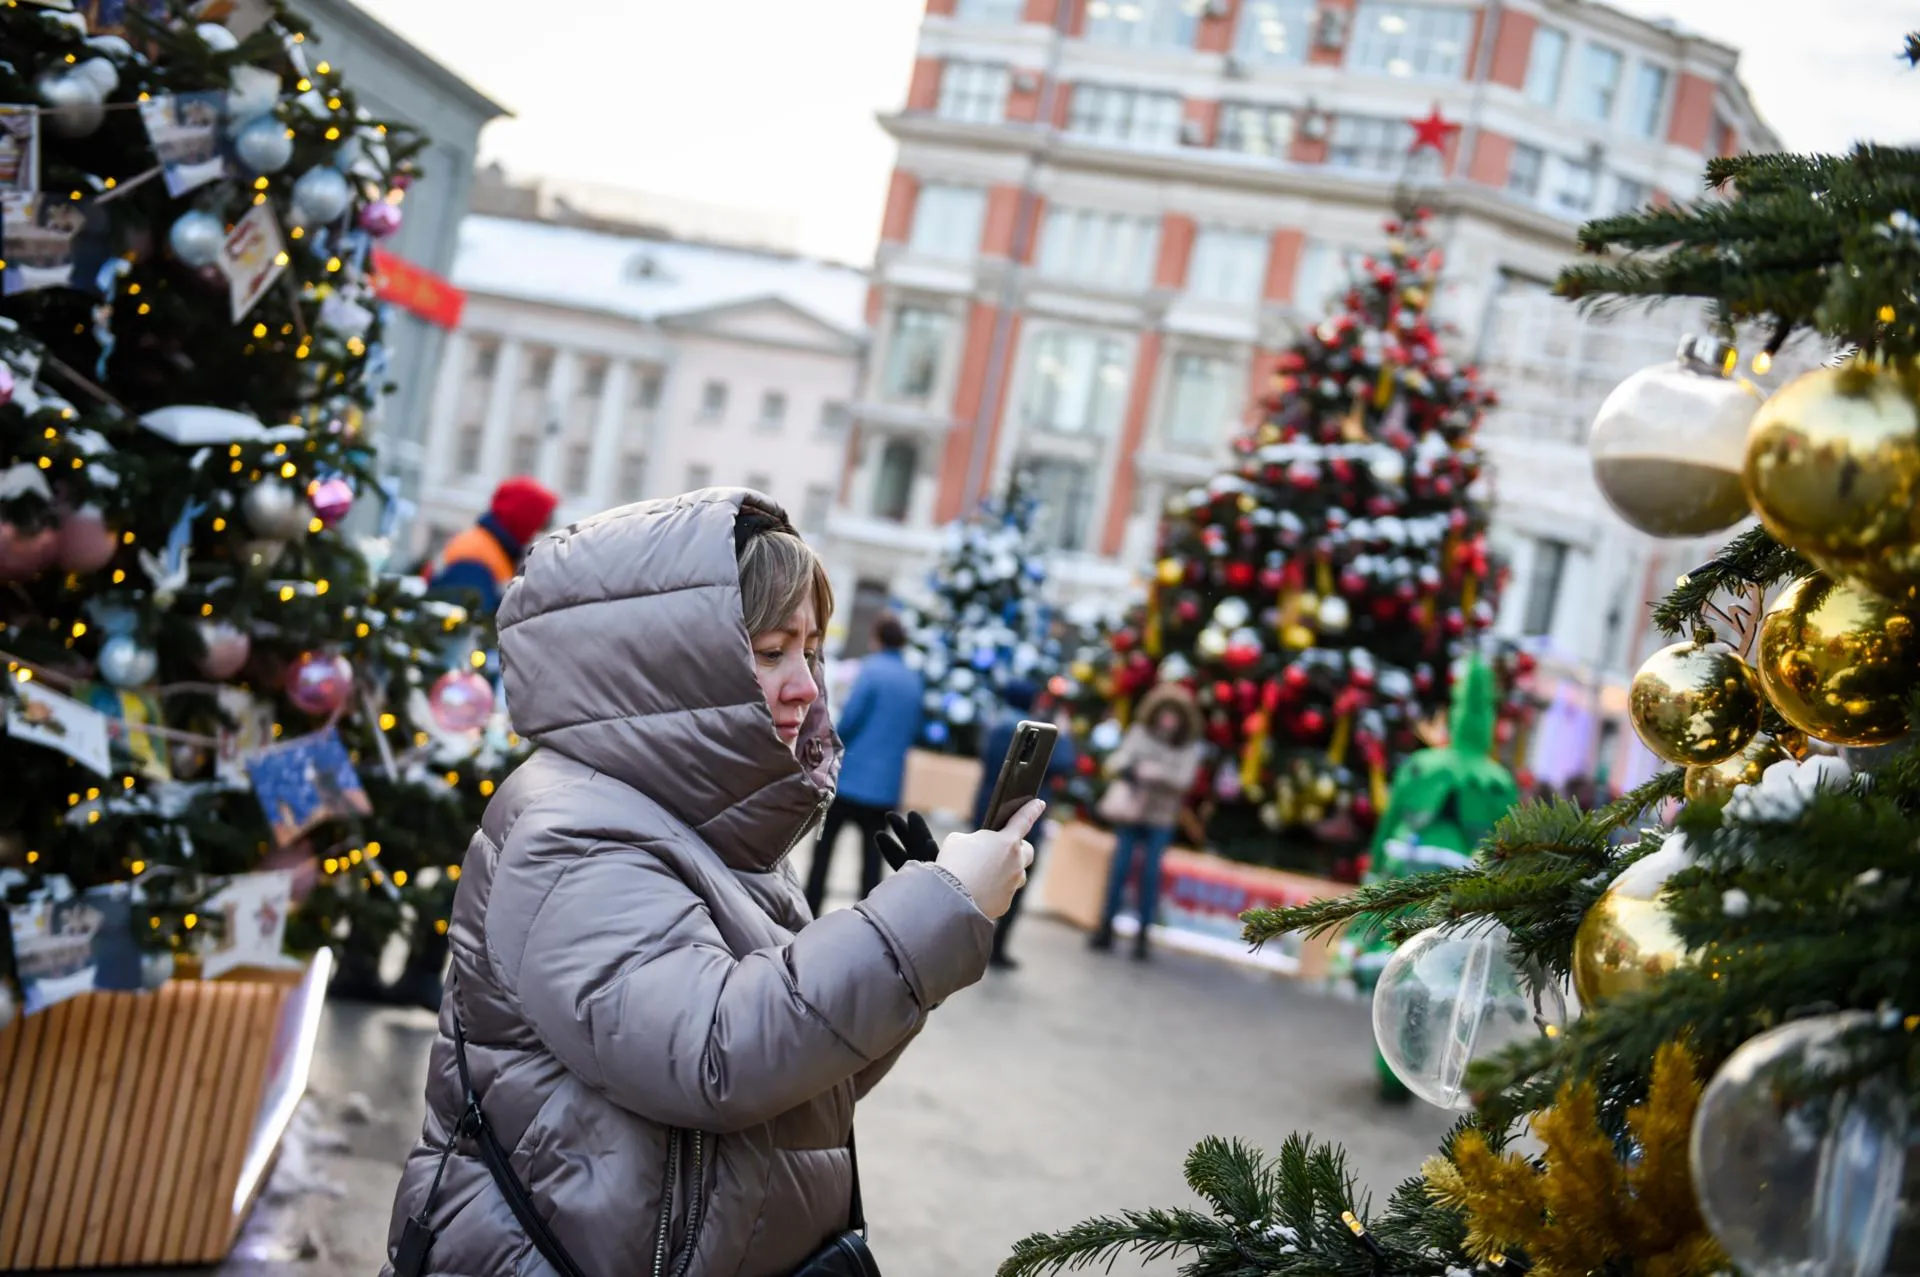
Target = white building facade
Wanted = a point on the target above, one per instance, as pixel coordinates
(616, 368)
(1108, 218)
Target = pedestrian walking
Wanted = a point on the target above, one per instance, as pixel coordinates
(1151, 773)
(647, 1059)
(481, 560)
(1018, 698)
(879, 725)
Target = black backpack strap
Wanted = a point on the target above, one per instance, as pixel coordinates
(857, 1216)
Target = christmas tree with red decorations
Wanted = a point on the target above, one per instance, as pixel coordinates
(1314, 595)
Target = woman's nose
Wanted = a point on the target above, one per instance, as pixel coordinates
(801, 689)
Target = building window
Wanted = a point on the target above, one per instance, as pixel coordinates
(761, 483)
(1133, 116)
(1649, 103)
(633, 477)
(1596, 83)
(1575, 185)
(1063, 493)
(1410, 40)
(1112, 250)
(946, 221)
(1002, 11)
(579, 468)
(524, 457)
(893, 484)
(1523, 172)
(1543, 586)
(1202, 403)
(1379, 144)
(1143, 24)
(699, 477)
(467, 456)
(486, 357)
(914, 349)
(773, 410)
(1275, 32)
(1076, 383)
(1255, 130)
(1228, 266)
(1321, 276)
(1546, 64)
(646, 391)
(815, 507)
(973, 91)
(1629, 196)
(713, 400)
(539, 368)
(834, 419)
(593, 378)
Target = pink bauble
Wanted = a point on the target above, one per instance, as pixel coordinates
(318, 683)
(227, 649)
(461, 701)
(380, 219)
(26, 554)
(6, 382)
(331, 499)
(87, 544)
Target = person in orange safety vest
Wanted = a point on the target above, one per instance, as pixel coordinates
(482, 559)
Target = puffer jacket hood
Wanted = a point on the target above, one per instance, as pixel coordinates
(598, 670)
(1175, 697)
(665, 1041)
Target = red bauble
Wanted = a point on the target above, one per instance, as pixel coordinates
(1423, 679)
(1361, 678)
(1240, 574)
(1271, 579)
(1380, 506)
(1503, 731)
(1311, 722)
(1457, 520)
(1342, 469)
(1525, 663)
(1352, 583)
(1456, 622)
(1363, 809)
(1187, 612)
(1386, 607)
(1294, 677)
(1270, 696)
(1086, 764)
(1124, 640)
(1223, 693)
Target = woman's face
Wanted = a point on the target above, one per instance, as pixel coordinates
(1167, 724)
(783, 661)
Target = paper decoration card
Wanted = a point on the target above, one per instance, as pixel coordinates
(43, 716)
(305, 782)
(252, 910)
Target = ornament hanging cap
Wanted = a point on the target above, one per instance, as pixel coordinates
(1708, 356)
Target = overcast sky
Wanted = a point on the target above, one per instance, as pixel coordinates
(769, 104)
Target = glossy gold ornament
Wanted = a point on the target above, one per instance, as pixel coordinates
(1172, 571)
(1713, 784)
(1833, 469)
(1297, 638)
(1838, 661)
(1625, 943)
(1695, 703)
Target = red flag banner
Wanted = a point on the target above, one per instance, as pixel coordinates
(415, 288)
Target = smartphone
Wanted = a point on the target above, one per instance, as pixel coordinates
(1024, 773)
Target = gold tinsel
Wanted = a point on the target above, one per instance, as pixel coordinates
(1580, 1209)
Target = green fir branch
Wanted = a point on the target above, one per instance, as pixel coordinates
(1751, 559)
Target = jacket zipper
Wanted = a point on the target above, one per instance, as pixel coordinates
(819, 810)
(665, 1235)
(696, 1206)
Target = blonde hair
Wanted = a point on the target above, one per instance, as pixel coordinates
(779, 572)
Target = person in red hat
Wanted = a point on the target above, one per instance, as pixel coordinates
(484, 558)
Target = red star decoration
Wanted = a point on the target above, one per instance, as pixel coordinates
(1432, 131)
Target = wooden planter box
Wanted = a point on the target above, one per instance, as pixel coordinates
(940, 782)
(1201, 898)
(136, 1128)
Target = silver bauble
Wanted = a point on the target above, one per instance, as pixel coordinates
(78, 107)
(320, 196)
(1335, 616)
(197, 238)
(156, 969)
(275, 511)
(101, 73)
(127, 662)
(251, 94)
(263, 145)
(263, 555)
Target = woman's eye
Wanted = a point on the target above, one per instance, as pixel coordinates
(771, 655)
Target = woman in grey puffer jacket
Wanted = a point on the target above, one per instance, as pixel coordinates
(651, 1016)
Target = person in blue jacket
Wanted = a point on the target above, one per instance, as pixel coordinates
(879, 725)
(1019, 697)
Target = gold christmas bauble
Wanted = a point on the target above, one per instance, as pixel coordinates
(1414, 296)
(1082, 671)
(1172, 571)
(1838, 661)
(1695, 703)
(1296, 638)
(1625, 943)
(1833, 468)
(1713, 784)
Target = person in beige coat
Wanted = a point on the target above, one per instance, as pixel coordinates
(665, 1042)
(1151, 773)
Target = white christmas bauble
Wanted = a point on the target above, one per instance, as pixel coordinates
(115, 47)
(263, 145)
(1334, 615)
(1105, 736)
(217, 37)
(1449, 997)
(1388, 466)
(963, 581)
(127, 662)
(1796, 1187)
(78, 107)
(104, 76)
(275, 511)
(1231, 614)
(1669, 444)
(252, 94)
(962, 679)
(197, 238)
(1212, 643)
(961, 711)
(320, 195)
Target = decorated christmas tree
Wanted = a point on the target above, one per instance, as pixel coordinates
(1314, 594)
(986, 622)
(205, 677)
(1733, 1089)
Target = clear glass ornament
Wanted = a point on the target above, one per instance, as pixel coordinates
(1449, 997)
(1669, 443)
(1800, 1187)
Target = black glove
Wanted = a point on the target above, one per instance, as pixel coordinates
(906, 838)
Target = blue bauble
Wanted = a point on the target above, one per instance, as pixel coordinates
(936, 732)
(197, 238)
(320, 196)
(982, 658)
(263, 145)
